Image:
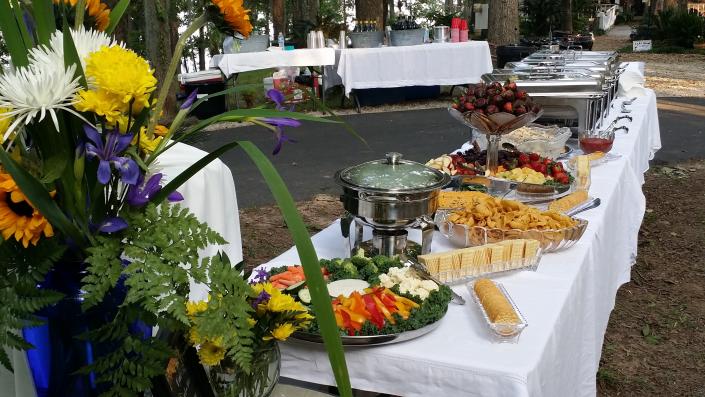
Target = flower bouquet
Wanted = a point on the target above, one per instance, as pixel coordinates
(96, 254)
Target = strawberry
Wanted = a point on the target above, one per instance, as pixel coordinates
(521, 94)
(480, 92)
(480, 111)
(507, 107)
(469, 106)
(542, 168)
(491, 92)
(480, 103)
(547, 161)
(563, 179)
(519, 110)
(496, 85)
(557, 168)
(492, 109)
(534, 165)
(497, 100)
(534, 157)
(524, 158)
(508, 95)
(510, 85)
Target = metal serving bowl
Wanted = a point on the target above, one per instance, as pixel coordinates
(391, 193)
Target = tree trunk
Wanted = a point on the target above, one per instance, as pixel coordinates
(566, 15)
(201, 49)
(370, 10)
(159, 44)
(278, 19)
(503, 23)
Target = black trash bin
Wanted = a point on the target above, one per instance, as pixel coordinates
(512, 53)
(207, 82)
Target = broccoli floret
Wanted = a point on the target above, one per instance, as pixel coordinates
(384, 263)
(368, 271)
(339, 269)
(360, 253)
(360, 262)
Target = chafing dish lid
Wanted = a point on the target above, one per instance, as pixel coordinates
(393, 173)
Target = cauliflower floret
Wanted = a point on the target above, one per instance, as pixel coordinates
(386, 281)
(429, 285)
(422, 293)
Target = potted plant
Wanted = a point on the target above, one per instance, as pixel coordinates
(95, 253)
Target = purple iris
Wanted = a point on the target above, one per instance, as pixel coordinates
(277, 97)
(139, 194)
(108, 153)
(112, 225)
(261, 275)
(262, 298)
(190, 99)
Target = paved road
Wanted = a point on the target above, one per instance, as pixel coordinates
(309, 165)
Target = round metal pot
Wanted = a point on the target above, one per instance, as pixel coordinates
(394, 207)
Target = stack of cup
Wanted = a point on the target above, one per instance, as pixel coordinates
(464, 30)
(455, 30)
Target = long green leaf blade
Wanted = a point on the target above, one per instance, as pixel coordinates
(71, 55)
(80, 13)
(176, 182)
(43, 12)
(12, 35)
(116, 14)
(37, 194)
(23, 28)
(309, 261)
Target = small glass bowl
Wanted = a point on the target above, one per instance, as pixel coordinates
(596, 141)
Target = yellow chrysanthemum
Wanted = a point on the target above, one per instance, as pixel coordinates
(193, 308)
(18, 218)
(281, 332)
(147, 144)
(122, 73)
(96, 9)
(4, 123)
(103, 103)
(235, 15)
(211, 352)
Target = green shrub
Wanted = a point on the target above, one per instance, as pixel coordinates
(678, 27)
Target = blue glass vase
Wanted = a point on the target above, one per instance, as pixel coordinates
(58, 351)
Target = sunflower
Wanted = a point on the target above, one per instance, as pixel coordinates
(18, 217)
(99, 12)
(211, 352)
(231, 16)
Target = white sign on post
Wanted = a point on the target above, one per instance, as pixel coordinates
(641, 45)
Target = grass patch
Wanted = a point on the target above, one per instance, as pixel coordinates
(607, 377)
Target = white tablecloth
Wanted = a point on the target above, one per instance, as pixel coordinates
(230, 64)
(427, 64)
(567, 303)
(210, 195)
(607, 17)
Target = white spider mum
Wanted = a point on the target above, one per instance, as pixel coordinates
(34, 91)
(86, 42)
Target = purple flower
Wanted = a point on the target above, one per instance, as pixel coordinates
(139, 194)
(277, 97)
(190, 99)
(262, 298)
(108, 154)
(261, 275)
(112, 225)
(279, 135)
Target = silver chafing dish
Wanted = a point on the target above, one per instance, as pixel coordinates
(390, 196)
(574, 87)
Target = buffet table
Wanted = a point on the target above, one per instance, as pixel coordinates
(567, 302)
(231, 64)
(210, 195)
(427, 64)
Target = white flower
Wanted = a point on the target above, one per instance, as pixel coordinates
(35, 91)
(85, 41)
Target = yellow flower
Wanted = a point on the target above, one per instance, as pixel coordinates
(251, 322)
(194, 337)
(193, 308)
(161, 130)
(18, 217)
(96, 9)
(234, 15)
(123, 74)
(103, 103)
(281, 303)
(281, 332)
(147, 144)
(4, 123)
(211, 352)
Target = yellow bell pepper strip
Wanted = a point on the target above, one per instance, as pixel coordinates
(407, 302)
(402, 310)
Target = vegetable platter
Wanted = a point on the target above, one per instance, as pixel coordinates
(375, 300)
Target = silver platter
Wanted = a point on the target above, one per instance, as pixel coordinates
(371, 340)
